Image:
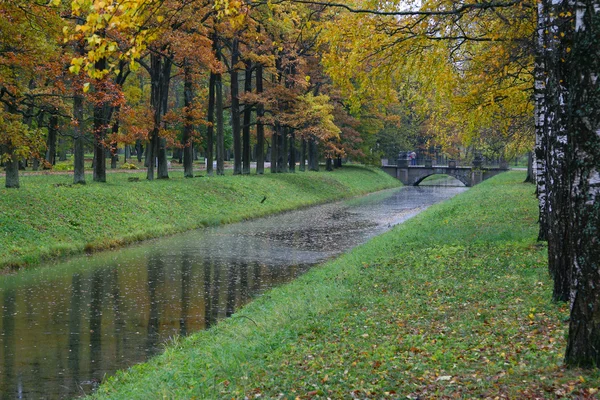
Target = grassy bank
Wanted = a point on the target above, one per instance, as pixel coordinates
(455, 303)
(48, 217)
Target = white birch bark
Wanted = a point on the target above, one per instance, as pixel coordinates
(583, 347)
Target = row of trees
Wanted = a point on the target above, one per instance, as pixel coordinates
(279, 76)
(168, 74)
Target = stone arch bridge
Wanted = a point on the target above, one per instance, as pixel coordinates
(412, 175)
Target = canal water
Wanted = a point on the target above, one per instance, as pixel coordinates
(64, 327)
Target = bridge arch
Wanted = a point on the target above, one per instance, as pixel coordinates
(463, 179)
(412, 176)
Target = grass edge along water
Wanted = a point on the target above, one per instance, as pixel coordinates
(456, 302)
(48, 218)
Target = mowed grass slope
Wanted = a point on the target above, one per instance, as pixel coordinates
(455, 303)
(47, 217)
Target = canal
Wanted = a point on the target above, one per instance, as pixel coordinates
(66, 326)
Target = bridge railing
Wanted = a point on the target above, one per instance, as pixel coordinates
(443, 161)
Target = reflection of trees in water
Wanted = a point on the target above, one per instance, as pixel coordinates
(215, 292)
(8, 344)
(155, 277)
(75, 313)
(244, 292)
(186, 283)
(207, 294)
(255, 278)
(96, 294)
(119, 320)
(109, 317)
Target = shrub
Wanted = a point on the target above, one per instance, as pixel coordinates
(63, 167)
(129, 166)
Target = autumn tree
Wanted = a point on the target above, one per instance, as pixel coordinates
(567, 123)
(29, 32)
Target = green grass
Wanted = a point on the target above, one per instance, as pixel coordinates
(436, 179)
(455, 303)
(67, 165)
(47, 217)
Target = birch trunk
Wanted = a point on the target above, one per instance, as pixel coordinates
(583, 62)
(551, 102)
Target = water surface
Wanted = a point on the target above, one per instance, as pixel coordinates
(64, 327)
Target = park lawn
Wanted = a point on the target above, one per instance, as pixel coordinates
(455, 303)
(48, 217)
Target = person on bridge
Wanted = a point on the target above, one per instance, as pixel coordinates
(413, 158)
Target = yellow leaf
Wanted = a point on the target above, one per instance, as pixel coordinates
(86, 87)
(160, 18)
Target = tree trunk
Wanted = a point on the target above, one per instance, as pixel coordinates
(51, 140)
(78, 141)
(78, 128)
(151, 150)
(235, 108)
(292, 161)
(313, 156)
(210, 130)
(220, 129)
(247, 117)
(147, 154)
(260, 128)
(163, 162)
(274, 149)
(139, 150)
(178, 152)
(12, 172)
(114, 156)
(162, 172)
(583, 65)
(530, 177)
(303, 156)
(114, 147)
(160, 75)
(556, 132)
(329, 164)
(283, 151)
(102, 114)
(62, 151)
(188, 140)
(99, 136)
